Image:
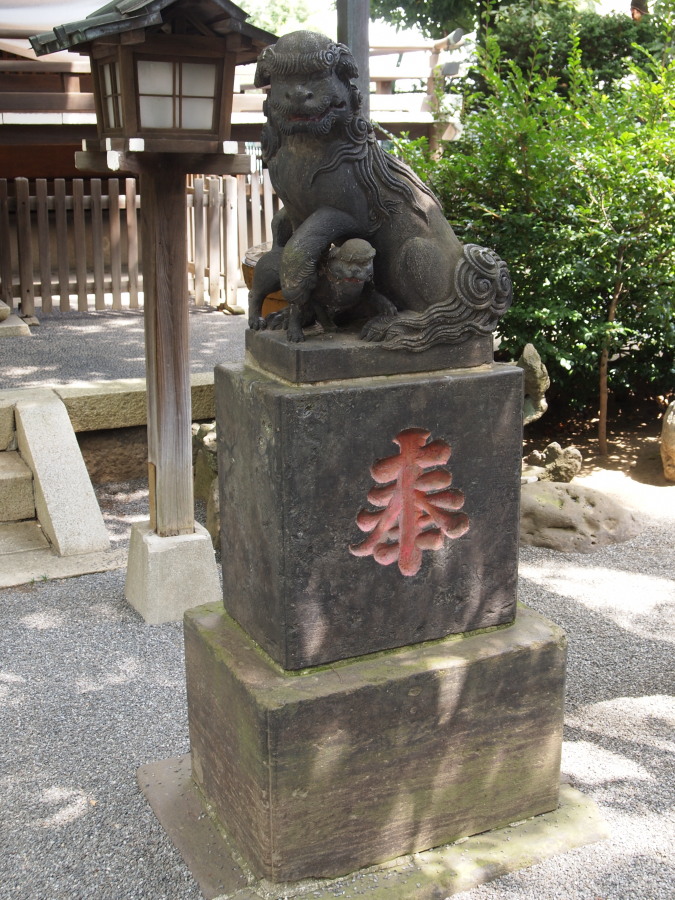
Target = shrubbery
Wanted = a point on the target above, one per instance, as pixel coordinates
(576, 191)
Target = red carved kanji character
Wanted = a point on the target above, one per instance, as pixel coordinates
(416, 508)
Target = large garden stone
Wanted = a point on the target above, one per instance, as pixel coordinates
(668, 443)
(572, 518)
(537, 382)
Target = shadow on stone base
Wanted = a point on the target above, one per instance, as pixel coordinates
(324, 772)
(443, 871)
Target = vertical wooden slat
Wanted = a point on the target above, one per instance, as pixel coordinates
(115, 241)
(97, 241)
(231, 242)
(256, 232)
(62, 243)
(190, 224)
(25, 246)
(80, 244)
(213, 230)
(200, 246)
(242, 216)
(6, 292)
(268, 204)
(44, 249)
(132, 242)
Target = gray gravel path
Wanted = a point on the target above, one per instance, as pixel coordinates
(88, 693)
(101, 346)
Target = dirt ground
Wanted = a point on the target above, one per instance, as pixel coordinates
(632, 472)
(634, 439)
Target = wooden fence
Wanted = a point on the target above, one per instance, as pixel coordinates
(75, 245)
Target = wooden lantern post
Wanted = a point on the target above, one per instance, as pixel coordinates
(163, 73)
(167, 350)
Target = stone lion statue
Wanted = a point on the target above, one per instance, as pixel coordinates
(336, 183)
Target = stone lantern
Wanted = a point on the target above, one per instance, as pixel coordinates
(163, 84)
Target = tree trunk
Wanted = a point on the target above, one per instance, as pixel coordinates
(603, 387)
(604, 391)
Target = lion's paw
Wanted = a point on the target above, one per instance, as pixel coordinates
(376, 329)
(295, 336)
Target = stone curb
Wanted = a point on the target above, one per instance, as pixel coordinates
(105, 405)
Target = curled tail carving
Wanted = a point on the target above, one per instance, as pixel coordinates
(482, 294)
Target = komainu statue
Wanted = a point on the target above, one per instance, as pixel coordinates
(336, 183)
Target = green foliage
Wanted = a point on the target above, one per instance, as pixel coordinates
(539, 33)
(435, 18)
(277, 17)
(576, 192)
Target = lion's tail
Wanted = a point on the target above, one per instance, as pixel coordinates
(482, 294)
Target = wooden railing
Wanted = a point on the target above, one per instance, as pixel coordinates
(76, 245)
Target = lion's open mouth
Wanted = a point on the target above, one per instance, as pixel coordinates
(318, 116)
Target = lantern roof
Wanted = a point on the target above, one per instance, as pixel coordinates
(216, 18)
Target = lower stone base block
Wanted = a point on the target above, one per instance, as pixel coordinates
(168, 575)
(327, 771)
(430, 875)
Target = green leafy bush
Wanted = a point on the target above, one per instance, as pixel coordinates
(576, 192)
(540, 32)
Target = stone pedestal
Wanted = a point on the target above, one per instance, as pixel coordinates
(325, 772)
(299, 472)
(366, 690)
(168, 575)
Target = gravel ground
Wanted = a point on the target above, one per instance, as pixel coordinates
(72, 346)
(88, 693)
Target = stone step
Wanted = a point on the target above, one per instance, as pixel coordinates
(22, 537)
(17, 501)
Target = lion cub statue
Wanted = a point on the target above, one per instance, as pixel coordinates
(336, 183)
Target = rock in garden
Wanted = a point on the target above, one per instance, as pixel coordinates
(536, 383)
(213, 513)
(205, 455)
(554, 464)
(4, 311)
(572, 519)
(668, 443)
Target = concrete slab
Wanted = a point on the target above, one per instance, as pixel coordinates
(16, 488)
(44, 565)
(430, 875)
(168, 575)
(65, 501)
(21, 537)
(98, 405)
(13, 326)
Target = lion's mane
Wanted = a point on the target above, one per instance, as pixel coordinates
(376, 172)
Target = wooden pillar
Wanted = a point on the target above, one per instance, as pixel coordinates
(167, 346)
(352, 30)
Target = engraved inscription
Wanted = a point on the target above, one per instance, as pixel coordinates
(415, 507)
